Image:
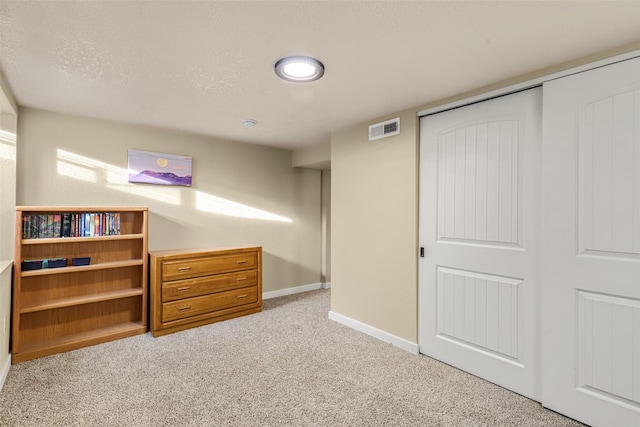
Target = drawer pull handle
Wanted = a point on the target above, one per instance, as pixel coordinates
(184, 288)
(241, 279)
(183, 269)
(242, 296)
(185, 308)
(242, 261)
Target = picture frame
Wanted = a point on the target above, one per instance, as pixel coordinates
(148, 167)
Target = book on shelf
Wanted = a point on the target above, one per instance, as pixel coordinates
(65, 230)
(55, 227)
(88, 228)
(26, 232)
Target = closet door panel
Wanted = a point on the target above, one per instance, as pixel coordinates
(478, 288)
(590, 258)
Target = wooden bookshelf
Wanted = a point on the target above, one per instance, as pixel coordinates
(66, 308)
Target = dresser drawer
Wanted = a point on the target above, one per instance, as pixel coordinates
(205, 304)
(196, 267)
(188, 288)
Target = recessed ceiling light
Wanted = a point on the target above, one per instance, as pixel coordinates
(299, 69)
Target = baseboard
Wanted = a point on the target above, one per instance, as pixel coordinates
(5, 372)
(375, 332)
(295, 290)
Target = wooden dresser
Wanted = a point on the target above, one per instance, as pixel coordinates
(195, 287)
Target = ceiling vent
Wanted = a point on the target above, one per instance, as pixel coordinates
(384, 129)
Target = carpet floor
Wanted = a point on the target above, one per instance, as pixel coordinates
(286, 366)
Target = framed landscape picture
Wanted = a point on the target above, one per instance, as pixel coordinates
(156, 168)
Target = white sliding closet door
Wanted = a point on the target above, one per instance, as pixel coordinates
(478, 291)
(590, 258)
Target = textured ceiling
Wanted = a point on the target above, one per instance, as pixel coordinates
(204, 67)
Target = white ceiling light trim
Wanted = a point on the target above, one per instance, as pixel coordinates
(299, 69)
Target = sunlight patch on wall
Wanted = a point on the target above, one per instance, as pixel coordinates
(7, 145)
(217, 205)
(76, 171)
(87, 169)
(164, 194)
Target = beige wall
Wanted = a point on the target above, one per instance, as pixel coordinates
(374, 227)
(68, 160)
(8, 123)
(326, 226)
(314, 157)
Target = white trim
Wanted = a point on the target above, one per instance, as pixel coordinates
(529, 83)
(409, 346)
(5, 264)
(5, 372)
(295, 290)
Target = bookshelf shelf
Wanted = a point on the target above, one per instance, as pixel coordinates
(73, 341)
(65, 308)
(76, 269)
(86, 299)
(58, 240)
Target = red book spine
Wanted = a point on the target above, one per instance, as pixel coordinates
(96, 225)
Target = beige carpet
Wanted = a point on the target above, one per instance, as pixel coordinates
(286, 366)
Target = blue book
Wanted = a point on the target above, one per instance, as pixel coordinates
(88, 224)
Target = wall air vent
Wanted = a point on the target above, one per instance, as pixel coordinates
(384, 129)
